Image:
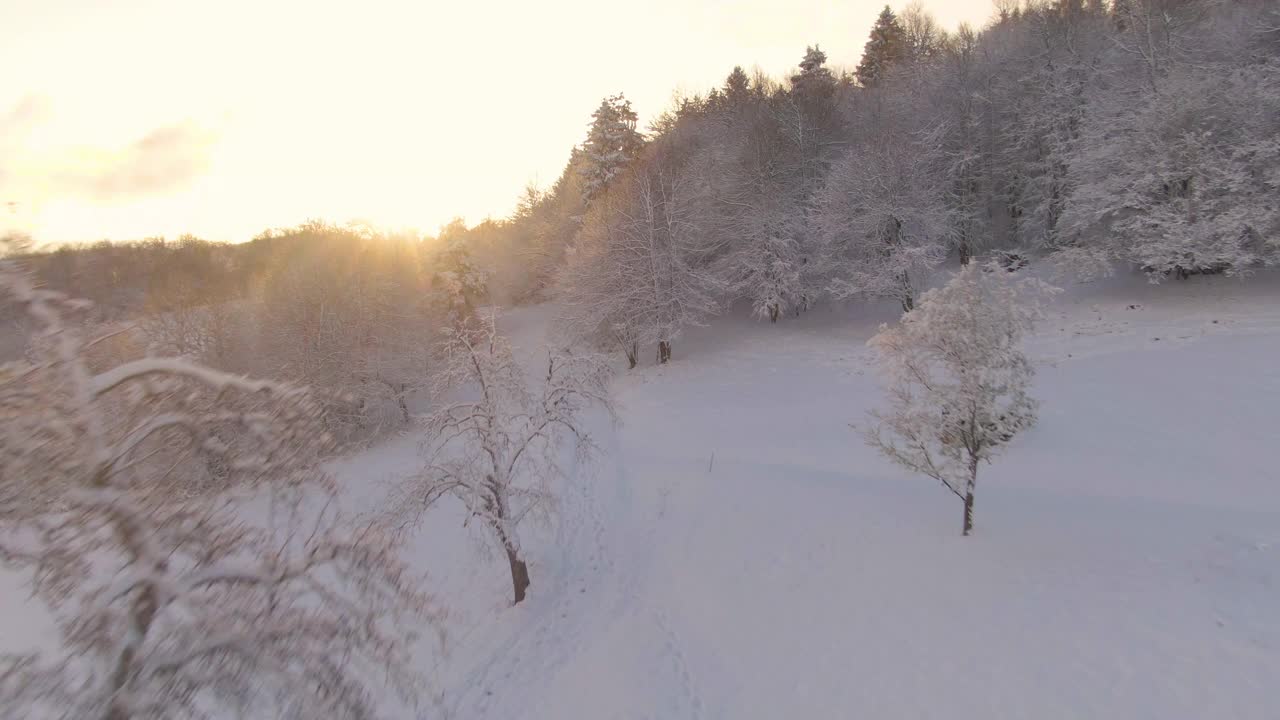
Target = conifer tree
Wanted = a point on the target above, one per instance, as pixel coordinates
(612, 142)
(736, 86)
(886, 47)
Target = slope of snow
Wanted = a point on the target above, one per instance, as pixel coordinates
(735, 551)
(1126, 562)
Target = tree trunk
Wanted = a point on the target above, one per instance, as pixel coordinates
(143, 612)
(404, 406)
(968, 513)
(664, 351)
(633, 356)
(968, 497)
(519, 574)
(773, 313)
(519, 569)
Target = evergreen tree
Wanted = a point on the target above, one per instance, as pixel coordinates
(459, 283)
(611, 143)
(736, 87)
(814, 83)
(886, 47)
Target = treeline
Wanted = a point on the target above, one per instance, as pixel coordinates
(1135, 133)
(1130, 133)
(348, 310)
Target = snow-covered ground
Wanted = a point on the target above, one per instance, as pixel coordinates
(736, 551)
(1126, 562)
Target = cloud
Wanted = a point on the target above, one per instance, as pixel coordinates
(165, 159)
(30, 111)
(16, 125)
(35, 167)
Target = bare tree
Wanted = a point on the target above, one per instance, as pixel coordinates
(958, 380)
(348, 311)
(499, 452)
(172, 601)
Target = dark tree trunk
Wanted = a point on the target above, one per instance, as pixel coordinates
(142, 614)
(633, 355)
(773, 313)
(519, 574)
(908, 304)
(664, 351)
(519, 569)
(968, 513)
(968, 496)
(143, 611)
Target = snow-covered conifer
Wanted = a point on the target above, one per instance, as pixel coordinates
(612, 142)
(886, 47)
(458, 281)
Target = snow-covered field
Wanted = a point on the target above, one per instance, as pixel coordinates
(736, 551)
(1126, 562)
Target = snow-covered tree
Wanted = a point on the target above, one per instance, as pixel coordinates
(1183, 180)
(500, 451)
(764, 174)
(809, 123)
(759, 218)
(958, 380)
(922, 37)
(344, 311)
(737, 86)
(124, 494)
(814, 85)
(1159, 33)
(1053, 64)
(886, 47)
(593, 311)
(958, 113)
(768, 265)
(612, 142)
(636, 275)
(882, 216)
(458, 282)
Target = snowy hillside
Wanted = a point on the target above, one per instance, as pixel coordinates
(736, 551)
(1126, 562)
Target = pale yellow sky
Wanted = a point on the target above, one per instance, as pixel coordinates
(123, 119)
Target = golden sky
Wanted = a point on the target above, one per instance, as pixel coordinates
(123, 119)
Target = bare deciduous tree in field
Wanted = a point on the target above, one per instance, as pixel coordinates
(131, 495)
(499, 451)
